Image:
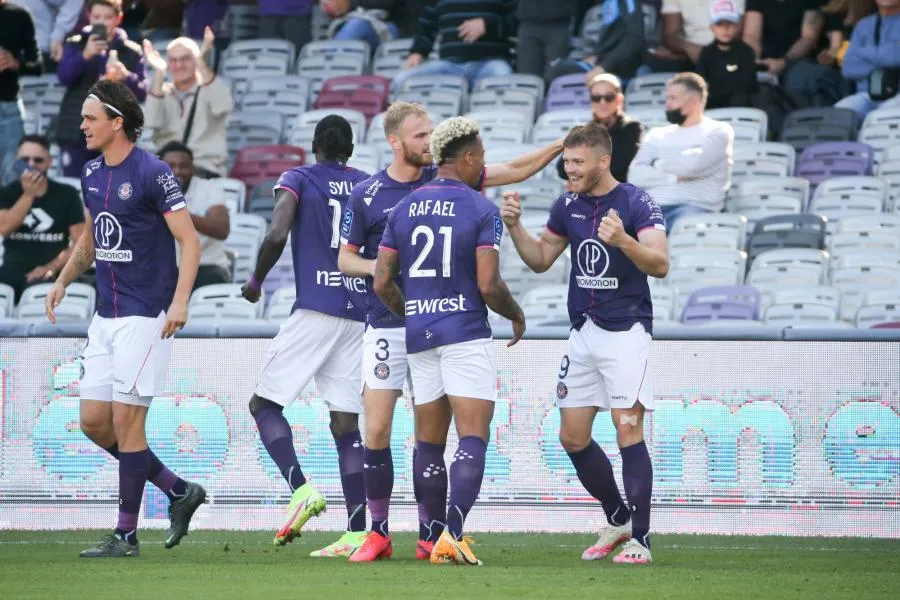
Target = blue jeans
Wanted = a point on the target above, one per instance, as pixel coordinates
(472, 70)
(360, 29)
(862, 104)
(673, 212)
(12, 128)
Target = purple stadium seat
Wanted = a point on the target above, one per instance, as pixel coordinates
(735, 302)
(281, 275)
(835, 159)
(567, 91)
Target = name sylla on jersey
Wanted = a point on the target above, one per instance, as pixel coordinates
(593, 262)
(441, 208)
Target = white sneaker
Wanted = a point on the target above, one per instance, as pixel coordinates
(611, 537)
(634, 553)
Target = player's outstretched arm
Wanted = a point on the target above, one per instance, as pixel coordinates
(496, 293)
(182, 228)
(387, 267)
(81, 258)
(538, 254)
(273, 245)
(522, 167)
(350, 263)
(649, 252)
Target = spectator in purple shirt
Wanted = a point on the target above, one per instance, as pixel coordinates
(101, 51)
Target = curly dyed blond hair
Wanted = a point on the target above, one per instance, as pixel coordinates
(449, 131)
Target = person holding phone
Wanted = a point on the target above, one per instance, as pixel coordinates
(39, 219)
(19, 55)
(101, 51)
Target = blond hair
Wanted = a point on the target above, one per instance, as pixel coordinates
(397, 113)
(448, 132)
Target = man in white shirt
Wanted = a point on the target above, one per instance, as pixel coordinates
(194, 108)
(209, 215)
(685, 166)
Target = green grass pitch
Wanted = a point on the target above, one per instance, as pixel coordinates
(244, 565)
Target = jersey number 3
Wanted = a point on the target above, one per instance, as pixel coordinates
(446, 234)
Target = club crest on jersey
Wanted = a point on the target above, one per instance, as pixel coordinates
(593, 262)
(561, 390)
(125, 191)
(382, 371)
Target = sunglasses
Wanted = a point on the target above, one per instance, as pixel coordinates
(38, 160)
(603, 97)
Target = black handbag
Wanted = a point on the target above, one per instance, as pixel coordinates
(883, 83)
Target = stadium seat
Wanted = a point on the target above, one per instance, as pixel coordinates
(515, 82)
(736, 302)
(868, 186)
(799, 313)
(442, 83)
(304, 128)
(279, 83)
(247, 232)
(534, 193)
(879, 307)
(787, 231)
(652, 81)
(809, 126)
(282, 301)
(262, 206)
(443, 103)
(855, 241)
(499, 135)
(321, 67)
(856, 280)
(521, 101)
(546, 303)
(390, 56)
(649, 117)
(78, 305)
(763, 159)
(704, 238)
(693, 269)
(7, 300)
(254, 164)
(796, 187)
(663, 299)
(220, 295)
(240, 69)
(749, 124)
(758, 207)
(552, 126)
(358, 49)
(282, 49)
(288, 103)
(789, 267)
(803, 294)
(832, 159)
(835, 207)
(233, 193)
(252, 129)
(242, 21)
(567, 92)
(368, 94)
(724, 223)
(880, 137)
(878, 222)
(502, 118)
(645, 99)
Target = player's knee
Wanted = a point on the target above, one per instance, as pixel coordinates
(257, 405)
(343, 423)
(377, 437)
(95, 427)
(573, 441)
(629, 430)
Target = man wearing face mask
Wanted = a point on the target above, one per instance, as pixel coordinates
(686, 166)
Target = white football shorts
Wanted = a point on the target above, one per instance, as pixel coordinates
(125, 359)
(606, 369)
(467, 369)
(384, 360)
(312, 345)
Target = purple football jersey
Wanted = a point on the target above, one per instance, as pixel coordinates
(133, 247)
(322, 190)
(604, 285)
(436, 231)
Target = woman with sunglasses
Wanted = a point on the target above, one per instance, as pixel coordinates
(606, 109)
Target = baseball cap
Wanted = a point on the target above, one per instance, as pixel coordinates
(723, 10)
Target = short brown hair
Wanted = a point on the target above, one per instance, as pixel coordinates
(397, 113)
(592, 135)
(116, 5)
(692, 83)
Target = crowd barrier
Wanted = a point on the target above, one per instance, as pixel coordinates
(749, 436)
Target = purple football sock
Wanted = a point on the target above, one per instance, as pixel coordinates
(168, 482)
(133, 470)
(350, 460)
(430, 477)
(637, 477)
(379, 478)
(466, 473)
(596, 475)
(276, 436)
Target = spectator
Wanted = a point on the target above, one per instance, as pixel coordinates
(841, 16)
(194, 107)
(606, 109)
(685, 31)
(475, 40)
(286, 20)
(685, 166)
(543, 36)
(873, 60)
(373, 21)
(54, 20)
(19, 55)
(101, 50)
(40, 219)
(728, 64)
(772, 27)
(200, 14)
(620, 47)
(210, 217)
